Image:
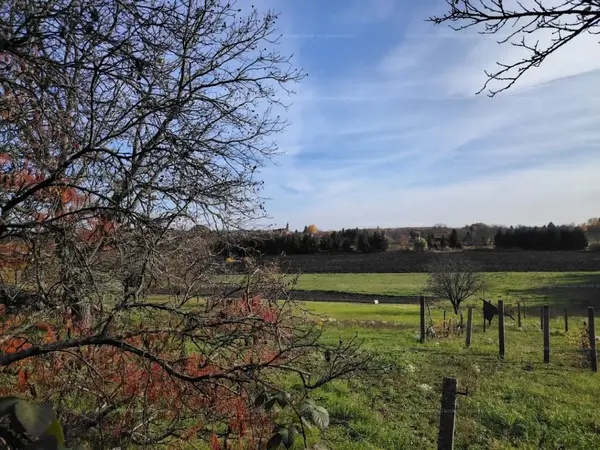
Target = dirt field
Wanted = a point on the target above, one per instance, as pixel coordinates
(408, 262)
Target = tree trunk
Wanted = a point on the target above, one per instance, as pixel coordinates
(456, 307)
(74, 284)
(458, 311)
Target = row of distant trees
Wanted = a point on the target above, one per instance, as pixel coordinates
(310, 241)
(548, 237)
(439, 244)
(344, 241)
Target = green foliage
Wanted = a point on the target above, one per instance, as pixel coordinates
(308, 242)
(34, 417)
(314, 414)
(274, 442)
(453, 241)
(430, 241)
(326, 242)
(443, 243)
(420, 245)
(363, 245)
(29, 425)
(285, 434)
(549, 237)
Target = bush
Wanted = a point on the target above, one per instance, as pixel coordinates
(595, 247)
(419, 245)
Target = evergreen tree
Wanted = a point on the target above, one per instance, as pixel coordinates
(363, 243)
(453, 238)
(346, 245)
(336, 242)
(305, 245)
(548, 237)
(499, 240)
(326, 242)
(378, 241)
(293, 244)
(430, 241)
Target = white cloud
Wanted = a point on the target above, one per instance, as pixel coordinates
(299, 184)
(561, 194)
(405, 142)
(483, 52)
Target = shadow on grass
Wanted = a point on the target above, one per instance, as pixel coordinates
(574, 293)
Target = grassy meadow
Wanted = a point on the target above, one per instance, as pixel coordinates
(576, 289)
(515, 403)
(518, 402)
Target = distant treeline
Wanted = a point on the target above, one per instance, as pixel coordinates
(344, 241)
(549, 237)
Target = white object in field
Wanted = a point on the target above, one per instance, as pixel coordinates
(376, 302)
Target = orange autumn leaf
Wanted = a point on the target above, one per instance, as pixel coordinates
(214, 441)
(50, 337)
(23, 380)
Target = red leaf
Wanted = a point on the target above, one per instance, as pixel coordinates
(214, 441)
(23, 380)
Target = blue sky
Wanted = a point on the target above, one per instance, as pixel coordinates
(387, 129)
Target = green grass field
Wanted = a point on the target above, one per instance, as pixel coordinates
(532, 288)
(518, 402)
(515, 403)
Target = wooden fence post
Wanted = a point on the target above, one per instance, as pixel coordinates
(546, 334)
(592, 338)
(566, 321)
(444, 327)
(447, 415)
(541, 317)
(501, 327)
(469, 325)
(519, 315)
(422, 302)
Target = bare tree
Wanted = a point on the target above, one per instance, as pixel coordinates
(454, 278)
(122, 125)
(539, 27)
(138, 114)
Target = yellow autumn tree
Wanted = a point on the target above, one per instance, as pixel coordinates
(594, 222)
(312, 229)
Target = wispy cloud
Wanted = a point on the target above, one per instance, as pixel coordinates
(361, 12)
(393, 134)
(529, 196)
